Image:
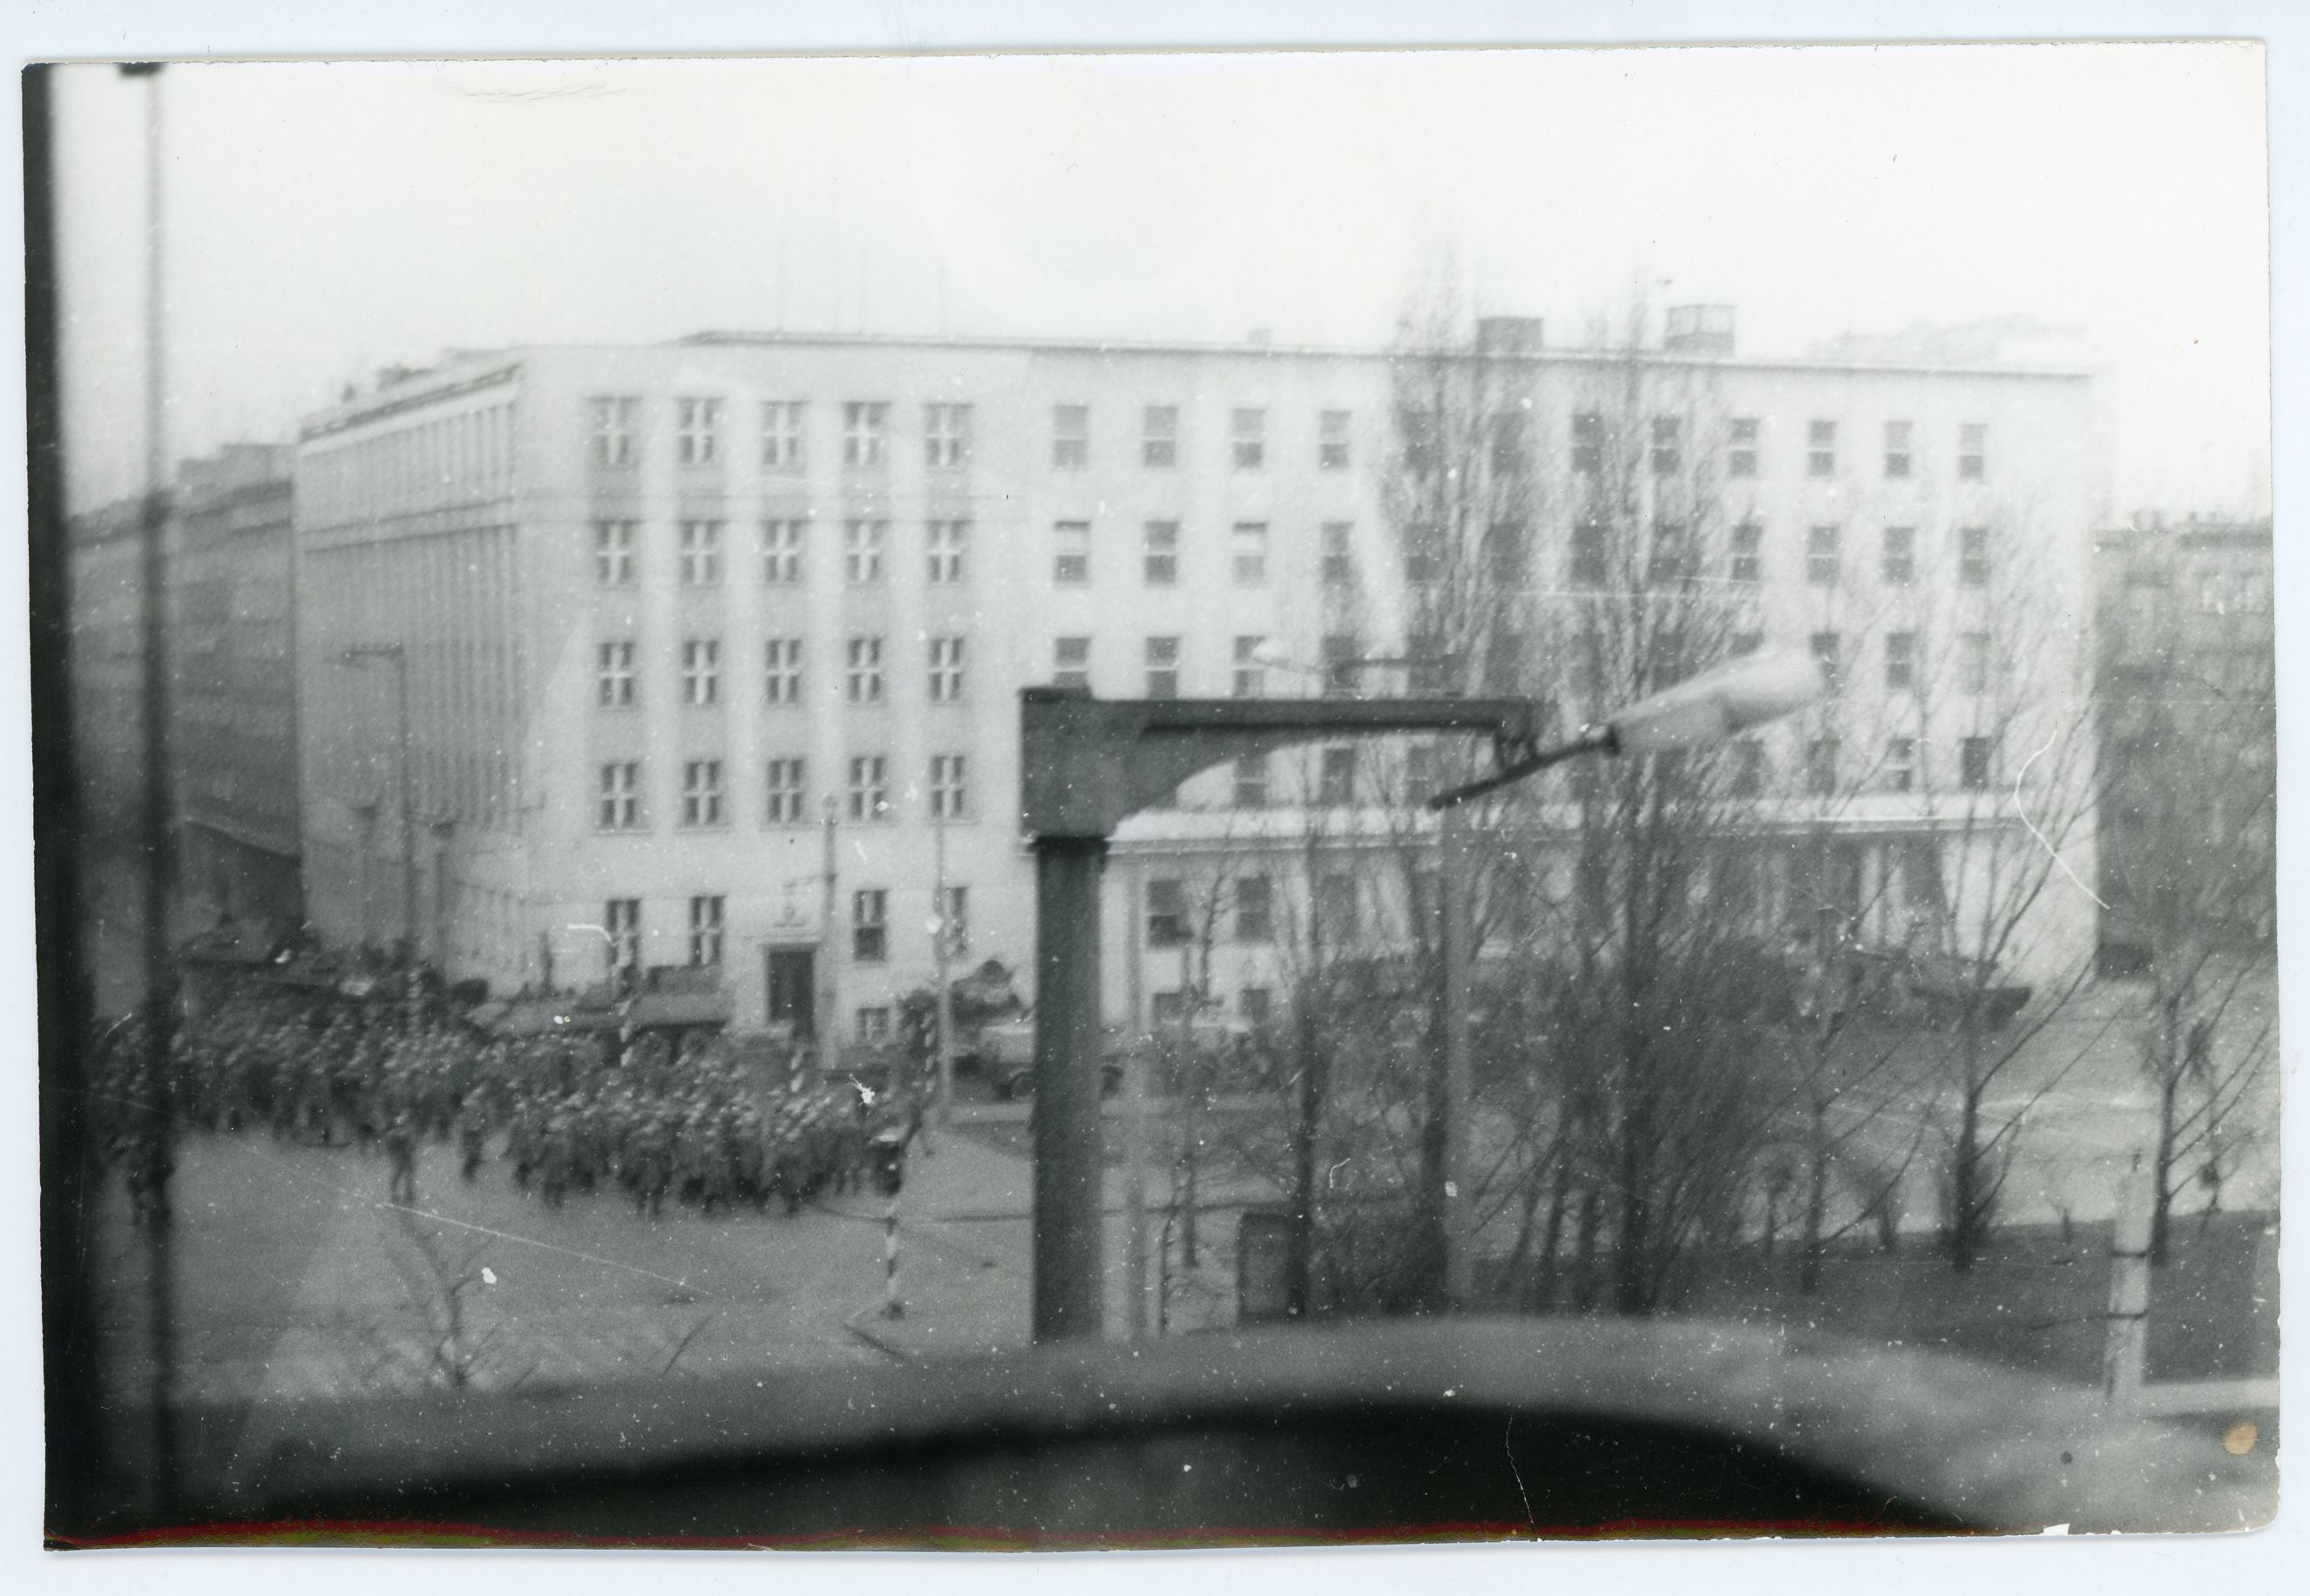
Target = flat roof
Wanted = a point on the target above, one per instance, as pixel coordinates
(470, 369)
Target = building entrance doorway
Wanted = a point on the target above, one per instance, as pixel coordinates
(792, 988)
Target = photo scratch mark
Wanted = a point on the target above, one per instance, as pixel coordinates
(2052, 851)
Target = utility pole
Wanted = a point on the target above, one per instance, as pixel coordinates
(1453, 1198)
(157, 1155)
(1138, 1059)
(830, 944)
(1188, 1091)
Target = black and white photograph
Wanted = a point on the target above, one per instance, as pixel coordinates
(1134, 800)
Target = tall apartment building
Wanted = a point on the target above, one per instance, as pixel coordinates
(2185, 674)
(235, 715)
(679, 628)
(107, 656)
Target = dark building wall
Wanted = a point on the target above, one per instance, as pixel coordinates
(235, 715)
(2186, 695)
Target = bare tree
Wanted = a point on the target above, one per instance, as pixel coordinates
(2004, 773)
(2187, 797)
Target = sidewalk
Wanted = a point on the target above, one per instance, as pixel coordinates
(966, 1251)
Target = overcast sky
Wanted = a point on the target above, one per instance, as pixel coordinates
(325, 219)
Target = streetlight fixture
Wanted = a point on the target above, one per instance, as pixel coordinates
(1702, 709)
(356, 656)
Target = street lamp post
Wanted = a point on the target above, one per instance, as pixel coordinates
(399, 655)
(828, 1038)
(1085, 765)
(156, 1151)
(941, 948)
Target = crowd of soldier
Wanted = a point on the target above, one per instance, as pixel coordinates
(569, 1114)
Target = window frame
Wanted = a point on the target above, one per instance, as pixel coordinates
(861, 679)
(615, 564)
(709, 923)
(699, 551)
(697, 430)
(1070, 437)
(1248, 543)
(782, 671)
(705, 800)
(1824, 555)
(618, 791)
(1158, 553)
(786, 785)
(782, 434)
(1247, 439)
(867, 799)
(615, 677)
(1161, 654)
(613, 432)
(1071, 554)
(701, 672)
(1897, 557)
(946, 435)
(1900, 454)
(950, 787)
(870, 926)
(1820, 448)
(949, 655)
(865, 543)
(865, 434)
(783, 541)
(1158, 444)
(946, 540)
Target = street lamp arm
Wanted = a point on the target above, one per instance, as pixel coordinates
(1089, 762)
(1592, 739)
(1704, 708)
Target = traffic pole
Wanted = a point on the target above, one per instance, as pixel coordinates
(892, 1307)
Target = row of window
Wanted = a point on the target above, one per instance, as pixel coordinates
(1825, 773)
(1903, 659)
(705, 799)
(1164, 656)
(614, 435)
(700, 545)
(617, 677)
(614, 423)
(614, 439)
(866, 546)
(870, 928)
(1743, 447)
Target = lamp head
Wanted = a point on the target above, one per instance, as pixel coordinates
(1717, 704)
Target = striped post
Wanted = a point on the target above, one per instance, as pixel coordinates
(2126, 1352)
(892, 1308)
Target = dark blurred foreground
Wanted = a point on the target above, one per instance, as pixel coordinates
(1485, 1429)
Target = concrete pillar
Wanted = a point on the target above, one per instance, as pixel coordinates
(1069, 1151)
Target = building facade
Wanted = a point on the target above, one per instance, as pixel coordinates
(695, 642)
(235, 717)
(106, 655)
(2185, 676)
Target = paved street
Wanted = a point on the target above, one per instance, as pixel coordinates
(296, 1276)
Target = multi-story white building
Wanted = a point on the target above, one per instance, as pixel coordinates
(679, 626)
